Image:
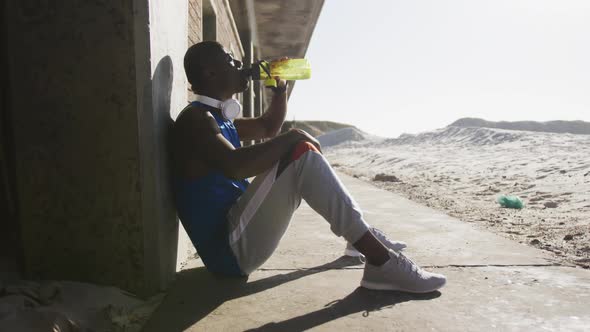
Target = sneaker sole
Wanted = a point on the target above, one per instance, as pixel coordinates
(390, 287)
(352, 253)
(355, 253)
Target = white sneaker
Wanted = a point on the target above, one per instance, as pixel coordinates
(394, 245)
(402, 274)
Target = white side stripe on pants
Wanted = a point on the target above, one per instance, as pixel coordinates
(254, 203)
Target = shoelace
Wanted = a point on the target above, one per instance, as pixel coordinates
(407, 264)
(377, 231)
(383, 237)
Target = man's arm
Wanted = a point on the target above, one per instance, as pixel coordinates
(269, 124)
(240, 163)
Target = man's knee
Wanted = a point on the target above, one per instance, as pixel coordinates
(298, 150)
(301, 148)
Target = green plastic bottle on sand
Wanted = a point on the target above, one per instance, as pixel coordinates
(511, 202)
(289, 69)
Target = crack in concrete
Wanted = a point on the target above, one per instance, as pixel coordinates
(424, 266)
(499, 265)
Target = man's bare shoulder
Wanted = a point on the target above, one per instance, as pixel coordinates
(196, 118)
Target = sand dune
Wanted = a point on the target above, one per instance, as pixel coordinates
(342, 135)
(460, 136)
(314, 128)
(572, 127)
(462, 170)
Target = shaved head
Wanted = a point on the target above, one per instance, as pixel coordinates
(211, 70)
(198, 58)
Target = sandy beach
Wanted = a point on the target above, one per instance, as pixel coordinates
(463, 170)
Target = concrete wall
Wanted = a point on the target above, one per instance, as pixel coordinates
(75, 131)
(94, 86)
(161, 87)
(10, 243)
(227, 33)
(195, 20)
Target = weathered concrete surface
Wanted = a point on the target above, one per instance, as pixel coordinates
(91, 89)
(74, 119)
(499, 284)
(433, 238)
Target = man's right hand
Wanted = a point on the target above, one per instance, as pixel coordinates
(302, 135)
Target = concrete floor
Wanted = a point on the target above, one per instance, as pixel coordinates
(493, 283)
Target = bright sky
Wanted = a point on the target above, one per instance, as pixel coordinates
(393, 66)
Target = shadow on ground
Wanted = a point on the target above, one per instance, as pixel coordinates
(361, 300)
(196, 293)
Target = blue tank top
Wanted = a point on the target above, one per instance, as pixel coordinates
(202, 205)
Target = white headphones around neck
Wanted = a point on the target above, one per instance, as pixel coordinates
(230, 108)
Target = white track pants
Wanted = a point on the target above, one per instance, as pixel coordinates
(259, 219)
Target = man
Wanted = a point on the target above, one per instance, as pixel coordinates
(236, 225)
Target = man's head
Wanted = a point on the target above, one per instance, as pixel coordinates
(213, 71)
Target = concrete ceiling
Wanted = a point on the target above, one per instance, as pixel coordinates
(282, 28)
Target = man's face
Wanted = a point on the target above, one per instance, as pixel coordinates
(230, 75)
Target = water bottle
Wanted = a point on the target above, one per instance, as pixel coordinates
(289, 69)
(511, 202)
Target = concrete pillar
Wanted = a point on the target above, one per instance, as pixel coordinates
(161, 93)
(247, 60)
(257, 87)
(248, 95)
(94, 87)
(10, 243)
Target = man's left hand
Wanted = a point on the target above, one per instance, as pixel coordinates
(281, 84)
